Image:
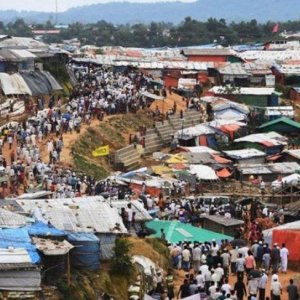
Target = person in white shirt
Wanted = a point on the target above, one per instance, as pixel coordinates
(226, 287)
(220, 271)
(200, 280)
(262, 283)
(186, 256)
(284, 253)
(276, 290)
(196, 257)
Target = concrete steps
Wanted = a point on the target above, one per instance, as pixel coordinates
(128, 157)
(153, 143)
(165, 131)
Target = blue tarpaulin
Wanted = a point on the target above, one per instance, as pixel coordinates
(19, 238)
(86, 253)
(42, 229)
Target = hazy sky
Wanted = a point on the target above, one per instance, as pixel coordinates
(49, 5)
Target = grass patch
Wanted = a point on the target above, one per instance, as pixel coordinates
(91, 169)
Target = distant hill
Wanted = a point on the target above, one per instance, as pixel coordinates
(175, 12)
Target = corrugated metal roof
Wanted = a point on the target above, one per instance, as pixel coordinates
(227, 222)
(272, 168)
(209, 51)
(267, 139)
(293, 152)
(83, 214)
(233, 69)
(9, 219)
(243, 91)
(244, 153)
(141, 214)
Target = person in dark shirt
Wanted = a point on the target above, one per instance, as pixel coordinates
(240, 289)
(184, 290)
(292, 290)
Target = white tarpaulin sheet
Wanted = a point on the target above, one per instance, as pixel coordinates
(203, 172)
(291, 180)
(13, 84)
(14, 256)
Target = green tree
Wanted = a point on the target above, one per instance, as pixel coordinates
(121, 263)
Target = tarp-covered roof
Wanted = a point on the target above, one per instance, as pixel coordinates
(269, 139)
(283, 120)
(203, 172)
(244, 153)
(82, 214)
(40, 82)
(177, 232)
(12, 220)
(19, 238)
(42, 229)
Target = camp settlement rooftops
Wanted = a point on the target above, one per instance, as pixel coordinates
(84, 214)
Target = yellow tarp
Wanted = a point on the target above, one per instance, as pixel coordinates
(176, 159)
(101, 151)
(160, 170)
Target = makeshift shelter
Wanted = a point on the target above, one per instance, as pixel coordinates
(40, 229)
(18, 262)
(292, 155)
(12, 220)
(282, 125)
(291, 238)
(40, 82)
(271, 142)
(82, 215)
(268, 172)
(86, 251)
(203, 172)
(199, 135)
(245, 156)
(288, 181)
(228, 226)
(268, 233)
(176, 232)
(14, 84)
(54, 256)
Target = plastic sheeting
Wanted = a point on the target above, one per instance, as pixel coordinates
(14, 85)
(86, 253)
(268, 233)
(203, 172)
(40, 83)
(29, 280)
(291, 238)
(19, 238)
(42, 229)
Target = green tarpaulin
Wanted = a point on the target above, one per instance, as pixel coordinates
(176, 231)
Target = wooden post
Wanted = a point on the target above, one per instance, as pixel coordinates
(68, 269)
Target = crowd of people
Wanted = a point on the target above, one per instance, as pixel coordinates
(23, 168)
(223, 271)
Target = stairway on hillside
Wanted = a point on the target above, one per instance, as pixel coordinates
(127, 158)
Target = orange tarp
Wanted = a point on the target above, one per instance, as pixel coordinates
(224, 173)
(219, 159)
(291, 238)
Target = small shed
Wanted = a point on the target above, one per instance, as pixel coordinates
(221, 225)
(282, 125)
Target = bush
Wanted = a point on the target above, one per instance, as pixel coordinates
(121, 263)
